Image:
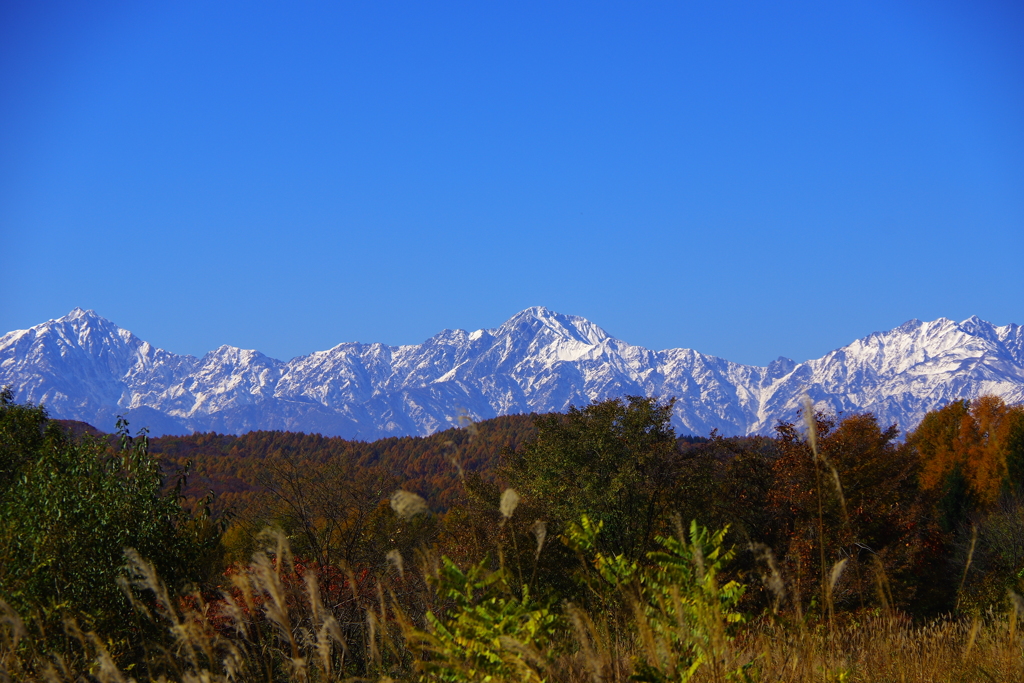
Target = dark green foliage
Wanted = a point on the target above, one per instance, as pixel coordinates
(727, 482)
(956, 501)
(22, 432)
(73, 508)
(1015, 457)
(616, 461)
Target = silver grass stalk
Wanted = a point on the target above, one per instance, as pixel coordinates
(395, 558)
(540, 532)
(407, 504)
(509, 502)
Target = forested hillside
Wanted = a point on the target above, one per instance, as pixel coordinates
(236, 467)
(233, 467)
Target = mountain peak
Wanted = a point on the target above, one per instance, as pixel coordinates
(979, 328)
(543, 319)
(536, 312)
(85, 321)
(910, 326)
(78, 312)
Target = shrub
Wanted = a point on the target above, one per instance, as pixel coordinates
(73, 508)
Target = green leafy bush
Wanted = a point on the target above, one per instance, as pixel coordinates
(683, 617)
(69, 510)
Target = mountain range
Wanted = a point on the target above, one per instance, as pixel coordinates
(84, 367)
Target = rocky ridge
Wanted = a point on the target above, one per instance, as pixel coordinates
(84, 367)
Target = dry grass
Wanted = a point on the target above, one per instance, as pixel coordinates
(885, 649)
(269, 629)
(877, 649)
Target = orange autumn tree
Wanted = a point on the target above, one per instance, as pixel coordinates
(975, 440)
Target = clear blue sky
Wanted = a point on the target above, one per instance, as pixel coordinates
(746, 179)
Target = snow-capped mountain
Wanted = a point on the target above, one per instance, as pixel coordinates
(84, 367)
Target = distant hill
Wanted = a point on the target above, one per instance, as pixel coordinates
(230, 466)
(78, 428)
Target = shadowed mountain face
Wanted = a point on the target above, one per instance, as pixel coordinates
(83, 367)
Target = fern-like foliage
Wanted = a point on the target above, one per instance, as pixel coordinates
(488, 633)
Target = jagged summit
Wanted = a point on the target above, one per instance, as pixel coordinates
(540, 318)
(82, 366)
(80, 317)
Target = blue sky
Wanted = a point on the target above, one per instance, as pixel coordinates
(744, 179)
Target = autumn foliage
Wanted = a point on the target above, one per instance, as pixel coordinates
(978, 439)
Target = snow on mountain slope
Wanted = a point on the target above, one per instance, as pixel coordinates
(84, 367)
